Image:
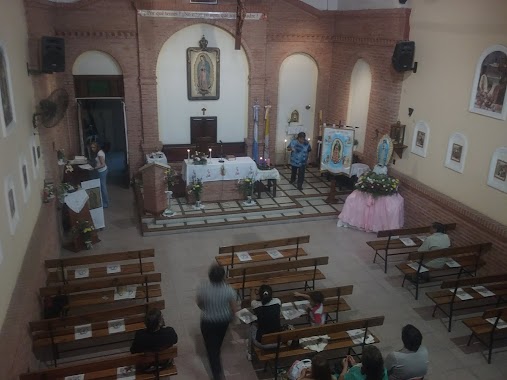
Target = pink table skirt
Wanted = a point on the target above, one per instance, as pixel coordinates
(369, 213)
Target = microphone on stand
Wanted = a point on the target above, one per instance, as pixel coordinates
(221, 151)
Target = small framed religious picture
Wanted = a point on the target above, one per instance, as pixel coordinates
(397, 133)
(11, 203)
(203, 72)
(456, 152)
(7, 114)
(25, 181)
(497, 176)
(488, 89)
(421, 138)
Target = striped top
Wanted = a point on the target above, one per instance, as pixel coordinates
(215, 301)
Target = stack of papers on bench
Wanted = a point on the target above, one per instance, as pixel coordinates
(244, 256)
(415, 266)
(407, 242)
(246, 316)
(314, 343)
(500, 325)
(126, 373)
(289, 311)
(125, 292)
(483, 291)
(274, 253)
(357, 336)
(75, 377)
(451, 263)
(302, 306)
(421, 237)
(461, 294)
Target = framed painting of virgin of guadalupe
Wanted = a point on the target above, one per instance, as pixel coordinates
(337, 151)
(203, 72)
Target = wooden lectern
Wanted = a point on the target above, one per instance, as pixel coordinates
(155, 186)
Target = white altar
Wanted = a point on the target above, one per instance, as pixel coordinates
(237, 169)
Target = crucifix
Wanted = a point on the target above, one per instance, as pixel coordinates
(240, 18)
(203, 111)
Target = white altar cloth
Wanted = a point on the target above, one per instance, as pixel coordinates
(237, 169)
(267, 174)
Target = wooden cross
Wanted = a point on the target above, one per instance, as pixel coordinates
(203, 111)
(240, 18)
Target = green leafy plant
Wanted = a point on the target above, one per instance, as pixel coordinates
(377, 184)
(83, 229)
(246, 185)
(196, 188)
(170, 178)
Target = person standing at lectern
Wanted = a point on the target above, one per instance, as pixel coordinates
(300, 149)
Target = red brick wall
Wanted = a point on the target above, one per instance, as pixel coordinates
(424, 205)
(16, 349)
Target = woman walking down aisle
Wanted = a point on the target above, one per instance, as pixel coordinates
(217, 301)
(101, 168)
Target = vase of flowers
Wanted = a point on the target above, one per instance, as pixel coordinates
(246, 185)
(60, 154)
(83, 230)
(195, 189)
(377, 184)
(199, 158)
(170, 179)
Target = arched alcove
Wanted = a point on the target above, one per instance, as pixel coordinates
(174, 107)
(359, 100)
(297, 89)
(94, 62)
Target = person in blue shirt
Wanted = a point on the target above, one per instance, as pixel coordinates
(300, 149)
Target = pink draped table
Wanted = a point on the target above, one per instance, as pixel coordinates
(366, 212)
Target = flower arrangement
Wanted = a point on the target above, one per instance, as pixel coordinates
(60, 154)
(83, 229)
(170, 178)
(64, 188)
(196, 188)
(246, 185)
(68, 168)
(377, 184)
(199, 158)
(48, 192)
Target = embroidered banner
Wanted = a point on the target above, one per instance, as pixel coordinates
(205, 15)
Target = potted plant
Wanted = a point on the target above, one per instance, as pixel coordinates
(170, 180)
(60, 154)
(196, 188)
(246, 185)
(83, 230)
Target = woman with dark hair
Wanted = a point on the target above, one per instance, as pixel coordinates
(217, 301)
(371, 367)
(101, 168)
(318, 371)
(156, 335)
(267, 310)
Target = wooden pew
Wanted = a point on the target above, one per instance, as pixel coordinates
(252, 276)
(227, 255)
(102, 291)
(469, 258)
(128, 263)
(394, 246)
(56, 331)
(102, 369)
(487, 333)
(336, 331)
(447, 301)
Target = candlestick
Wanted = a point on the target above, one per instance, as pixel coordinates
(188, 154)
(209, 153)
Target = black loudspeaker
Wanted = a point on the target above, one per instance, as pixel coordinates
(403, 56)
(53, 54)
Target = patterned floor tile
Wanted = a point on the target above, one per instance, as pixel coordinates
(293, 192)
(254, 217)
(325, 208)
(309, 210)
(217, 220)
(282, 200)
(267, 201)
(294, 213)
(229, 204)
(274, 215)
(318, 201)
(310, 191)
(195, 222)
(235, 219)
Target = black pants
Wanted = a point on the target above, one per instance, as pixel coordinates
(301, 175)
(213, 334)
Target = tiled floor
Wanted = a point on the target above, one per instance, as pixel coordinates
(183, 260)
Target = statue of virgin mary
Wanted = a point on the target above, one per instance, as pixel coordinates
(384, 154)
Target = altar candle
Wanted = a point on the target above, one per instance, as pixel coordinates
(260, 161)
(209, 153)
(188, 154)
(268, 161)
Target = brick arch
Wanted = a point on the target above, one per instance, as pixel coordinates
(99, 50)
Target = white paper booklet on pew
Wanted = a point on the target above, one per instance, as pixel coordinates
(116, 326)
(244, 256)
(302, 306)
(289, 311)
(83, 331)
(461, 294)
(500, 325)
(125, 292)
(246, 316)
(407, 242)
(81, 273)
(126, 373)
(415, 266)
(451, 263)
(75, 377)
(483, 291)
(274, 253)
(357, 336)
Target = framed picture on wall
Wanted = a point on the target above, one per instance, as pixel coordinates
(497, 176)
(25, 181)
(203, 72)
(11, 203)
(420, 139)
(490, 81)
(337, 150)
(7, 115)
(456, 152)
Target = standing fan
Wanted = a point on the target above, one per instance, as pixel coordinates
(51, 110)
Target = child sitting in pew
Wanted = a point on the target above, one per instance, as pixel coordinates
(316, 308)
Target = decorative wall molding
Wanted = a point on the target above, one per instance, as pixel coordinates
(373, 41)
(160, 13)
(122, 34)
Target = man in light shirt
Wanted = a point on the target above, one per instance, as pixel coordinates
(438, 240)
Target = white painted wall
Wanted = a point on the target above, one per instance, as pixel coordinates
(297, 88)
(174, 108)
(347, 5)
(96, 62)
(16, 146)
(359, 100)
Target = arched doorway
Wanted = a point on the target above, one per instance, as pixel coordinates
(359, 100)
(297, 92)
(98, 80)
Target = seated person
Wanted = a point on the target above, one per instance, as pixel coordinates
(412, 360)
(371, 367)
(438, 240)
(155, 337)
(316, 309)
(319, 370)
(267, 310)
